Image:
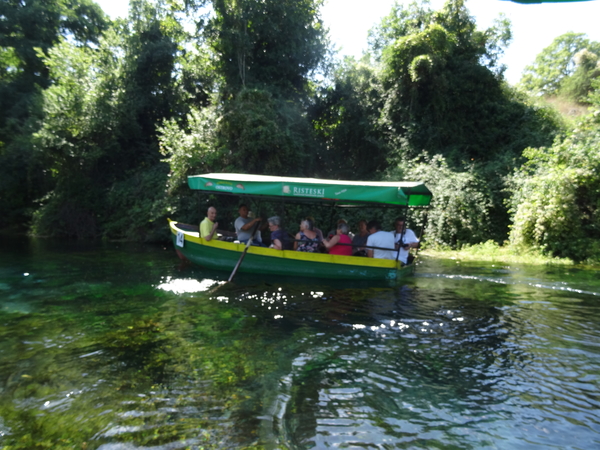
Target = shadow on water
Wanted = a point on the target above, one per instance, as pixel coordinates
(116, 346)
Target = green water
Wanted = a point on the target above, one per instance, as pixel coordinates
(118, 347)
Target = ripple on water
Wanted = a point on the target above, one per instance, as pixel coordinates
(453, 379)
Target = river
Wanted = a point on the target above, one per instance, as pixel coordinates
(117, 347)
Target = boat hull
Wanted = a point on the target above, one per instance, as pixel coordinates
(221, 255)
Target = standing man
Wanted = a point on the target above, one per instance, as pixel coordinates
(208, 227)
(382, 239)
(405, 239)
(244, 225)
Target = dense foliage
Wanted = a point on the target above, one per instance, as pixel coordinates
(345, 117)
(444, 91)
(102, 121)
(556, 195)
(556, 200)
(461, 206)
(28, 30)
(98, 136)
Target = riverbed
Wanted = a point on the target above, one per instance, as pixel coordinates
(119, 346)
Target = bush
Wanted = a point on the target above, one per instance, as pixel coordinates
(135, 208)
(460, 209)
(556, 197)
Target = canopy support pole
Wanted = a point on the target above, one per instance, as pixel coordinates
(422, 229)
(405, 218)
(331, 219)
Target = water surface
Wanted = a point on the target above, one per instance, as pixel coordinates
(116, 346)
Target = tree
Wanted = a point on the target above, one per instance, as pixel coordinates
(579, 85)
(32, 28)
(264, 134)
(400, 22)
(266, 51)
(345, 117)
(271, 43)
(557, 63)
(461, 209)
(99, 133)
(444, 93)
(556, 201)
(28, 31)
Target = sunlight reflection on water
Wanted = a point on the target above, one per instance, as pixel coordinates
(187, 285)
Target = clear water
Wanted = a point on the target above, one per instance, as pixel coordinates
(118, 347)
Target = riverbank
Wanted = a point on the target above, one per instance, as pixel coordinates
(492, 252)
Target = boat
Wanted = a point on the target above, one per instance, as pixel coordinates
(224, 255)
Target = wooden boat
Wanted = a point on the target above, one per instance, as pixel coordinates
(219, 254)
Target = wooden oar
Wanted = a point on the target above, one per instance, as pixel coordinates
(248, 244)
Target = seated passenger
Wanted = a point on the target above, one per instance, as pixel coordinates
(208, 227)
(315, 229)
(279, 237)
(340, 243)
(244, 226)
(334, 232)
(307, 239)
(360, 239)
(383, 242)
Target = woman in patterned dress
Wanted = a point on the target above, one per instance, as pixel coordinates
(307, 239)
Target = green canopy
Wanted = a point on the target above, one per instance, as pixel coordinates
(401, 193)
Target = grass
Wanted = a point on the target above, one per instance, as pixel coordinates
(567, 107)
(492, 252)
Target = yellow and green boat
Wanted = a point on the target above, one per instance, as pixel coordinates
(223, 255)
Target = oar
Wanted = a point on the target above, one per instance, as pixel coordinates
(248, 244)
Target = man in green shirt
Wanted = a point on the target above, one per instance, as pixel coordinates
(208, 227)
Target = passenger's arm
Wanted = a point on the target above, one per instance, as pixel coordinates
(250, 224)
(212, 232)
(414, 244)
(331, 242)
